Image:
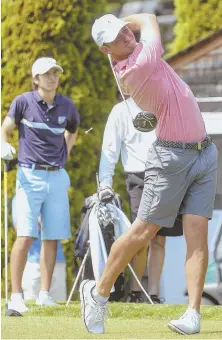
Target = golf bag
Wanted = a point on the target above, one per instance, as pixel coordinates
(82, 243)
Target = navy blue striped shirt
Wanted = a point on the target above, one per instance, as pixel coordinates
(41, 129)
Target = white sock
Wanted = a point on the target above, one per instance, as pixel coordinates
(43, 293)
(192, 310)
(16, 296)
(99, 298)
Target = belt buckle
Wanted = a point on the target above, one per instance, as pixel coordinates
(199, 146)
(47, 167)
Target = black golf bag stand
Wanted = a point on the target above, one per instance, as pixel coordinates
(80, 272)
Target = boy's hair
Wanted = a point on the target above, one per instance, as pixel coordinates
(34, 85)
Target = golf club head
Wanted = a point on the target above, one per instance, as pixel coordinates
(12, 312)
(145, 121)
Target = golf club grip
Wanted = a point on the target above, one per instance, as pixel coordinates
(6, 166)
(5, 181)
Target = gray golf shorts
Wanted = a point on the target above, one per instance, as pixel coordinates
(178, 181)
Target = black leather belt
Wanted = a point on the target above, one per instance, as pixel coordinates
(185, 145)
(40, 167)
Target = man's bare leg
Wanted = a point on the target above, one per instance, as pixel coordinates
(122, 252)
(155, 263)
(17, 264)
(18, 260)
(139, 264)
(94, 297)
(196, 231)
(47, 263)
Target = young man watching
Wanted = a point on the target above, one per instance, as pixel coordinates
(31, 278)
(47, 124)
(180, 175)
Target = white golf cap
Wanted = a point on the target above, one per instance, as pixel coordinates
(43, 65)
(106, 29)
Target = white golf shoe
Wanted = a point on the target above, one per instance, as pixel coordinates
(17, 303)
(44, 299)
(93, 312)
(188, 323)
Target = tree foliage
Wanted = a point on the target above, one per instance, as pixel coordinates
(195, 19)
(61, 29)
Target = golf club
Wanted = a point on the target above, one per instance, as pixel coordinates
(144, 121)
(8, 312)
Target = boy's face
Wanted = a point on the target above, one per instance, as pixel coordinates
(48, 81)
(122, 46)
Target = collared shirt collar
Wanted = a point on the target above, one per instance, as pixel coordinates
(120, 65)
(57, 100)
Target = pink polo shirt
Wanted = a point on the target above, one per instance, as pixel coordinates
(156, 88)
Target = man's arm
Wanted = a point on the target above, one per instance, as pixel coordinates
(7, 127)
(111, 146)
(71, 131)
(70, 139)
(11, 121)
(7, 150)
(146, 23)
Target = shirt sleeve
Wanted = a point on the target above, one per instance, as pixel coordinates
(17, 108)
(111, 146)
(73, 120)
(151, 40)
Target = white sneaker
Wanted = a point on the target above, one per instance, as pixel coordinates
(44, 299)
(93, 312)
(188, 323)
(17, 303)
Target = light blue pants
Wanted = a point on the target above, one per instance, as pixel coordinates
(42, 193)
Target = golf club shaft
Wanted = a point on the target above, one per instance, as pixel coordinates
(119, 86)
(6, 228)
(97, 180)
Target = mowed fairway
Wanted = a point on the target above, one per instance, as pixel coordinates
(125, 321)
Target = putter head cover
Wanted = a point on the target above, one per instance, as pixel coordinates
(145, 121)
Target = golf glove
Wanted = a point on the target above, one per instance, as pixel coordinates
(105, 193)
(7, 151)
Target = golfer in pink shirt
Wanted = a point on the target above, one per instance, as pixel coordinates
(180, 175)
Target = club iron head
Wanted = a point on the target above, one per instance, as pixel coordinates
(12, 312)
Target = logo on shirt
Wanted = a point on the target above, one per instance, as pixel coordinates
(61, 119)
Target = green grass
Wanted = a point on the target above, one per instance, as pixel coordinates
(126, 321)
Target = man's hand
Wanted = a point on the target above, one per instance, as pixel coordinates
(7, 151)
(105, 193)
